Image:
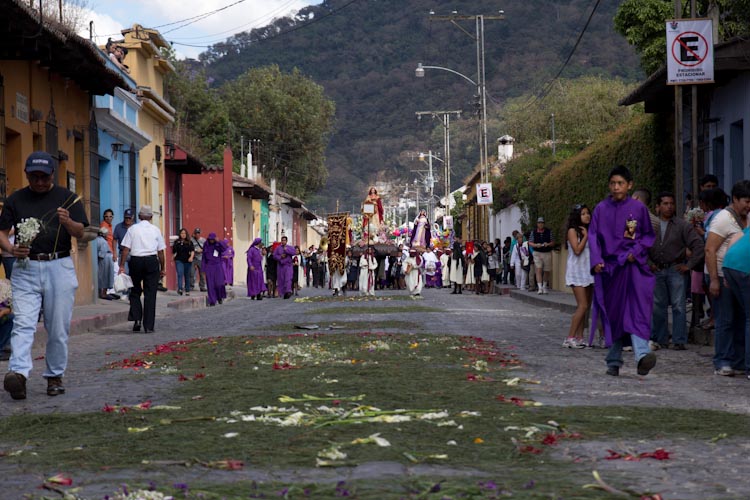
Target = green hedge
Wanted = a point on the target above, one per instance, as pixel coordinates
(643, 145)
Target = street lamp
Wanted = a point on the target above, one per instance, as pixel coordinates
(419, 72)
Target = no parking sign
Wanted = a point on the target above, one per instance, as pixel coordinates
(690, 51)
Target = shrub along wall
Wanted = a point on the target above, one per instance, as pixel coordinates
(643, 145)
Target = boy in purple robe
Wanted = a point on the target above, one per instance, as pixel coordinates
(255, 282)
(211, 265)
(620, 235)
(283, 257)
(228, 263)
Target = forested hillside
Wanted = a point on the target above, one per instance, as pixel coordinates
(364, 54)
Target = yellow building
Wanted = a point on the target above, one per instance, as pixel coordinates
(46, 90)
(149, 69)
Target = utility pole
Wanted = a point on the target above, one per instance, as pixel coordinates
(554, 144)
(446, 116)
(478, 37)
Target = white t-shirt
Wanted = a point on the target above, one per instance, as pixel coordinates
(724, 225)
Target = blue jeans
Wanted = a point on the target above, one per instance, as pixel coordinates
(640, 349)
(669, 290)
(728, 335)
(53, 283)
(739, 289)
(184, 275)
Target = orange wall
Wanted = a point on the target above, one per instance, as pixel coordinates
(43, 90)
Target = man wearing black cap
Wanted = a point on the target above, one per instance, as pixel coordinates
(44, 272)
(198, 243)
(121, 229)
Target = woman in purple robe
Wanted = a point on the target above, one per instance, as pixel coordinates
(227, 263)
(283, 256)
(620, 235)
(211, 264)
(255, 281)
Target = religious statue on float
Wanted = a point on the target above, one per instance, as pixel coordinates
(372, 212)
(420, 235)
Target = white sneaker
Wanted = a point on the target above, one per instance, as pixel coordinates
(579, 344)
(654, 346)
(539, 290)
(545, 288)
(569, 342)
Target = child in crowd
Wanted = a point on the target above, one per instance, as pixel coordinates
(620, 235)
(578, 273)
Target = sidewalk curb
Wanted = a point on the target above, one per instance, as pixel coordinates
(543, 301)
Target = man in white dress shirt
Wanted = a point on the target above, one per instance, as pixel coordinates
(145, 245)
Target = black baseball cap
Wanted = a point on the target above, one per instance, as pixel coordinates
(39, 161)
(128, 213)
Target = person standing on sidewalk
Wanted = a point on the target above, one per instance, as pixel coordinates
(144, 245)
(183, 252)
(120, 230)
(620, 235)
(729, 336)
(578, 273)
(669, 262)
(198, 274)
(44, 272)
(542, 243)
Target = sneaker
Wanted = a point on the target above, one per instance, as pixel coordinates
(654, 346)
(539, 291)
(545, 288)
(570, 343)
(724, 371)
(679, 347)
(628, 348)
(579, 344)
(613, 371)
(15, 384)
(601, 343)
(646, 363)
(55, 386)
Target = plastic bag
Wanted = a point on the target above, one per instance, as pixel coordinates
(123, 283)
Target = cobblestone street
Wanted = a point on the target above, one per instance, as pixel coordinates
(682, 379)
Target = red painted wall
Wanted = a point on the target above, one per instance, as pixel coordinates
(207, 200)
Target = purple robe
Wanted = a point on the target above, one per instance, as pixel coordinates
(211, 265)
(255, 282)
(283, 257)
(623, 290)
(228, 263)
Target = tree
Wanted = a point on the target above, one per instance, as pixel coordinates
(291, 117)
(642, 23)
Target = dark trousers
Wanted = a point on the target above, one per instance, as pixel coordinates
(144, 271)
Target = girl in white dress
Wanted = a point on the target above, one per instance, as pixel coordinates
(457, 268)
(578, 273)
(413, 272)
(367, 266)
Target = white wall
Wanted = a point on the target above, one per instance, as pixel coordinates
(730, 103)
(504, 222)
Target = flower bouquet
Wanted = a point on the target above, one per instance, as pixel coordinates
(695, 216)
(26, 231)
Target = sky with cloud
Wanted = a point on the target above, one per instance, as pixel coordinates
(191, 25)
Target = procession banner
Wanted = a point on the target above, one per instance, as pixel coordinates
(484, 193)
(337, 231)
(690, 51)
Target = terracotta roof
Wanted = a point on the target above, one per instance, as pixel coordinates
(24, 38)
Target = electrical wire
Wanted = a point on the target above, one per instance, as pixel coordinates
(277, 35)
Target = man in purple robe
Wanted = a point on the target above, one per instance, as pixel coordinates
(211, 264)
(255, 283)
(283, 257)
(227, 263)
(620, 235)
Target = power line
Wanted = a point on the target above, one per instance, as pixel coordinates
(277, 35)
(547, 88)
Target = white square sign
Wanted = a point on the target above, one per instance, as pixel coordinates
(484, 193)
(690, 51)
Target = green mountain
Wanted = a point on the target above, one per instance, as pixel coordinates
(364, 54)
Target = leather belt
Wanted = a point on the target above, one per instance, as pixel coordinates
(49, 256)
(662, 267)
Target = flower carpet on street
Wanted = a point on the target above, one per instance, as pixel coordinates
(457, 406)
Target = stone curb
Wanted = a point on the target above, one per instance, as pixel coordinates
(543, 301)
